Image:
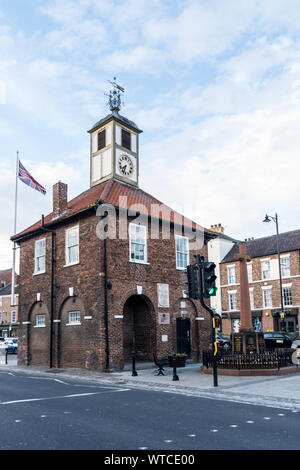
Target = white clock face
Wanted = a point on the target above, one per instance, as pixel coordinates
(125, 165)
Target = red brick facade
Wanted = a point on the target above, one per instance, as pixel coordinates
(133, 317)
(266, 317)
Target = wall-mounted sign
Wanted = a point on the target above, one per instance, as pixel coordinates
(163, 295)
(163, 318)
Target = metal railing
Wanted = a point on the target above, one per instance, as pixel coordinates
(267, 360)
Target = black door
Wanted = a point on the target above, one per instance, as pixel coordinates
(287, 324)
(183, 331)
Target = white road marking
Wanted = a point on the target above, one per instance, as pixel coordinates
(266, 417)
(75, 395)
(250, 422)
(191, 435)
(214, 430)
(233, 425)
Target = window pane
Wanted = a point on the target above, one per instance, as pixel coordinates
(40, 320)
(74, 317)
(137, 242)
(73, 254)
(287, 296)
(72, 236)
(285, 266)
(40, 247)
(231, 275)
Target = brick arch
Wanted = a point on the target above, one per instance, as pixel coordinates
(130, 292)
(38, 337)
(72, 340)
(139, 327)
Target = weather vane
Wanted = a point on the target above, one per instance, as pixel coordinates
(114, 96)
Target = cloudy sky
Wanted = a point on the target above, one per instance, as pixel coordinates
(214, 84)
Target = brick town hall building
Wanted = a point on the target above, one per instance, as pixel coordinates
(89, 297)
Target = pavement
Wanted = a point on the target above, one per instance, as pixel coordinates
(272, 391)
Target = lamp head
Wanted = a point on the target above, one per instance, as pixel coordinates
(267, 219)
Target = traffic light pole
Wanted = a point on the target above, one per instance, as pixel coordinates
(200, 260)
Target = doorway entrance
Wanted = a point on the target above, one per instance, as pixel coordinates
(138, 328)
(183, 335)
(287, 324)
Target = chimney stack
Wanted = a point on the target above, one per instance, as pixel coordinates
(217, 228)
(60, 199)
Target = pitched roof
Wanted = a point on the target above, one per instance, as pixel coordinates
(7, 290)
(118, 194)
(288, 241)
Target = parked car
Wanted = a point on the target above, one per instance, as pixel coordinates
(276, 339)
(11, 344)
(223, 342)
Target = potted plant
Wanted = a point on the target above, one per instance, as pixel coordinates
(180, 359)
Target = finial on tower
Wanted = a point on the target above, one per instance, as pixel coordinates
(114, 96)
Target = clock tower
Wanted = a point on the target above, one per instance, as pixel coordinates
(114, 145)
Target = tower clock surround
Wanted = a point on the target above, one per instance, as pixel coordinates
(114, 150)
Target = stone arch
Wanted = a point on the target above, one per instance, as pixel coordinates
(139, 328)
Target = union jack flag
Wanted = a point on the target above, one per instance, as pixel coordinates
(26, 177)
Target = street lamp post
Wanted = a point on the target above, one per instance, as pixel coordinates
(275, 219)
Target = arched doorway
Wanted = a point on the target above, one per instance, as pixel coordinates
(138, 328)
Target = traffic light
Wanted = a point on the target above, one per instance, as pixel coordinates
(209, 279)
(192, 281)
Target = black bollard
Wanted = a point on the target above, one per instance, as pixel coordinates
(134, 372)
(175, 376)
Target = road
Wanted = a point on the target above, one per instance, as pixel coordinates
(47, 411)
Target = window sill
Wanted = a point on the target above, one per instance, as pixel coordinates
(38, 273)
(138, 262)
(39, 326)
(71, 264)
(73, 324)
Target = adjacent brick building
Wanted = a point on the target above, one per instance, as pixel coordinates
(89, 300)
(8, 312)
(264, 284)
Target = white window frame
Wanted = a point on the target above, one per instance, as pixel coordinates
(77, 315)
(231, 278)
(267, 299)
(185, 253)
(264, 261)
(250, 272)
(285, 258)
(38, 322)
(232, 305)
(1, 301)
(67, 246)
(251, 296)
(13, 316)
(132, 241)
(290, 295)
(41, 256)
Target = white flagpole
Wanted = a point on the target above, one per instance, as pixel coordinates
(13, 274)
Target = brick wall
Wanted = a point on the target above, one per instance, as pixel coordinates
(268, 320)
(83, 345)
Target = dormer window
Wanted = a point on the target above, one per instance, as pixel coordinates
(126, 139)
